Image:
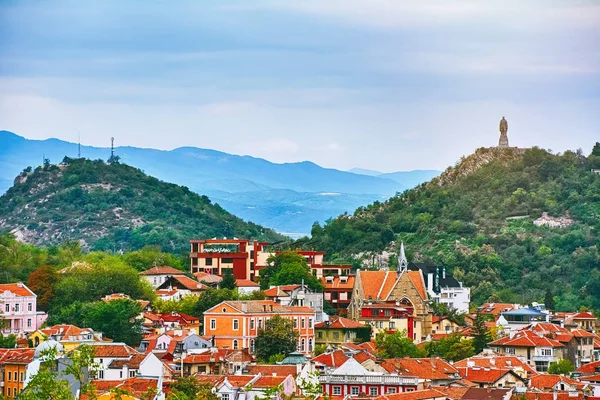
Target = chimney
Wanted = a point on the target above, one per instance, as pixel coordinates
(244, 306)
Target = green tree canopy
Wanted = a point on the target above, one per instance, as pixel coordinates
(561, 367)
(277, 337)
(396, 345)
(288, 268)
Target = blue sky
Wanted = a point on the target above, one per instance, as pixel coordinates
(381, 84)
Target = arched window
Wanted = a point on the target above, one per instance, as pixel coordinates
(310, 345)
(234, 344)
(252, 346)
(302, 346)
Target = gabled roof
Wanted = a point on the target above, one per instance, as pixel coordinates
(164, 270)
(339, 323)
(269, 381)
(496, 308)
(280, 291)
(584, 315)
(183, 281)
(547, 381)
(415, 395)
(495, 361)
(353, 368)
(485, 375)
(272, 370)
(424, 368)
(377, 285)
(208, 278)
(133, 363)
(526, 339)
(333, 359)
(261, 306)
(245, 283)
(19, 289)
(590, 368)
(112, 350)
(66, 331)
(338, 284)
(417, 279)
(17, 356)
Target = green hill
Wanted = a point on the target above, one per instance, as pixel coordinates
(112, 207)
(477, 219)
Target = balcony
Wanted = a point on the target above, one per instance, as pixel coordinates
(369, 380)
(543, 358)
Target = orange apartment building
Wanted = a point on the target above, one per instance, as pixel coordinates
(13, 364)
(235, 324)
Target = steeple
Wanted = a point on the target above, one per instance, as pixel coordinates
(402, 261)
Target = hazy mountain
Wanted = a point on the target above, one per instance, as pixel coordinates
(288, 197)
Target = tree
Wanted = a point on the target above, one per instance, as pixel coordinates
(8, 342)
(288, 268)
(228, 281)
(42, 282)
(452, 347)
(117, 319)
(188, 388)
(596, 150)
(481, 334)
(396, 345)
(549, 300)
(561, 367)
(277, 337)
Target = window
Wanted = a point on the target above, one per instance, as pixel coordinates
(8, 392)
(391, 390)
(9, 376)
(7, 307)
(132, 373)
(227, 260)
(303, 345)
(121, 374)
(17, 306)
(373, 391)
(22, 376)
(336, 335)
(234, 344)
(409, 390)
(101, 374)
(29, 322)
(213, 324)
(337, 390)
(509, 350)
(236, 325)
(547, 352)
(252, 323)
(303, 322)
(295, 322)
(208, 262)
(310, 345)
(392, 325)
(225, 396)
(320, 335)
(155, 282)
(354, 390)
(310, 321)
(259, 323)
(252, 346)
(29, 307)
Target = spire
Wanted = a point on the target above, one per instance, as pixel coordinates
(402, 261)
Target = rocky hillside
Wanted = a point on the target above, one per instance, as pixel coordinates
(112, 207)
(515, 225)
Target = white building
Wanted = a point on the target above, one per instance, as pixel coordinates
(158, 275)
(440, 284)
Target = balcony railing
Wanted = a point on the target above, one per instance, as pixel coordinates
(542, 358)
(369, 379)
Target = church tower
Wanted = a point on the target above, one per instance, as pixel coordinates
(402, 261)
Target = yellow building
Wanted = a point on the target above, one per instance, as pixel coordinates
(339, 330)
(69, 336)
(13, 364)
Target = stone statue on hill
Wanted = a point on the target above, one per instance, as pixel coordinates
(503, 142)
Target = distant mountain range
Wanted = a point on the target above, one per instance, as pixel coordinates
(287, 197)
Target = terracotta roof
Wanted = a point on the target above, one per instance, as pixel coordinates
(496, 308)
(339, 323)
(424, 368)
(245, 283)
(269, 370)
(591, 378)
(505, 362)
(239, 380)
(526, 339)
(452, 392)
(209, 379)
(366, 346)
(372, 282)
(333, 359)
(65, 330)
(208, 278)
(138, 386)
(589, 368)
(417, 279)
(188, 283)
(279, 291)
(338, 284)
(485, 375)
(548, 396)
(581, 333)
(20, 289)
(416, 395)
(269, 381)
(17, 356)
(262, 306)
(182, 318)
(164, 270)
(584, 315)
(133, 363)
(547, 381)
(116, 350)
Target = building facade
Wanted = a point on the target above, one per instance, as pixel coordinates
(235, 324)
(19, 309)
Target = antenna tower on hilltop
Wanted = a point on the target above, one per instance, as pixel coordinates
(112, 148)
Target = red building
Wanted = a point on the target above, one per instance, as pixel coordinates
(338, 291)
(240, 256)
(389, 317)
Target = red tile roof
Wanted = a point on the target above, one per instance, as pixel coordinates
(339, 323)
(589, 368)
(591, 378)
(245, 283)
(333, 359)
(113, 350)
(338, 284)
(584, 315)
(425, 368)
(526, 339)
(164, 270)
(269, 370)
(417, 279)
(269, 381)
(17, 356)
(18, 288)
(548, 396)
(208, 278)
(484, 375)
(280, 291)
(495, 361)
(496, 308)
(372, 282)
(261, 306)
(416, 395)
(188, 283)
(547, 381)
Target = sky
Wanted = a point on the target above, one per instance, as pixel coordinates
(378, 84)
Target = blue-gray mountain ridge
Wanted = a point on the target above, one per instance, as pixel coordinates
(287, 197)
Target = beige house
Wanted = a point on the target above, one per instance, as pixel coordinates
(538, 351)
